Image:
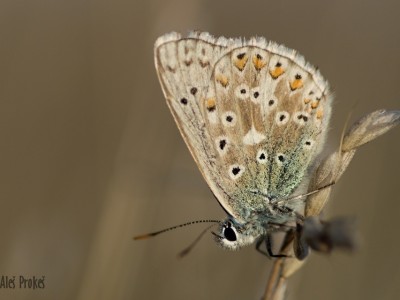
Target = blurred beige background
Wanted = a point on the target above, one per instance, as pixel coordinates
(90, 155)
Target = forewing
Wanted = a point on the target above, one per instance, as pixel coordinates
(184, 67)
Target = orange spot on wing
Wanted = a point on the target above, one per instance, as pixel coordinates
(307, 100)
(314, 104)
(258, 63)
(320, 113)
(276, 72)
(210, 104)
(240, 63)
(223, 80)
(296, 84)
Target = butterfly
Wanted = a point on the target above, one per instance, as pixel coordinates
(254, 115)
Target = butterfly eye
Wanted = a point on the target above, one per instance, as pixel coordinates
(230, 234)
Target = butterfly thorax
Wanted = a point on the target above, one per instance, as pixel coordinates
(253, 204)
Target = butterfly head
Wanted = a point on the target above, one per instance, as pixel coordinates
(233, 236)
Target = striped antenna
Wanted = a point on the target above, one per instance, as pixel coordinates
(149, 235)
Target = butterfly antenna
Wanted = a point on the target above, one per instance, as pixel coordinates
(151, 234)
(309, 193)
(189, 248)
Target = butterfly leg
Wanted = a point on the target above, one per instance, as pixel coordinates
(268, 245)
(258, 245)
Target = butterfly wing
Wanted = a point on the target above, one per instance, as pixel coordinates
(253, 114)
(184, 67)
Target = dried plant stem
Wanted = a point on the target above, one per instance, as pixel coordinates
(273, 279)
(276, 284)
